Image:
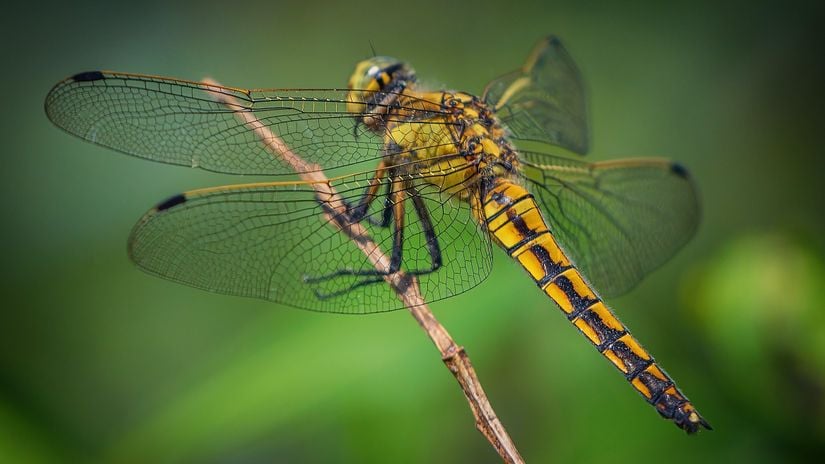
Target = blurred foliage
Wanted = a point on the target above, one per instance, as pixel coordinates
(101, 363)
(773, 335)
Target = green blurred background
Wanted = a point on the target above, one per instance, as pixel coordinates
(102, 363)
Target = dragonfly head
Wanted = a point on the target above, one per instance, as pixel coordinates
(375, 80)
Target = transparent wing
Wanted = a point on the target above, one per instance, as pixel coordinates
(617, 220)
(180, 122)
(545, 100)
(275, 241)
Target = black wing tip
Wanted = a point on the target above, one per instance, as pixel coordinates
(679, 170)
(88, 76)
(171, 202)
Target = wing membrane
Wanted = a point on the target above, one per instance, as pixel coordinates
(545, 100)
(264, 240)
(618, 220)
(180, 122)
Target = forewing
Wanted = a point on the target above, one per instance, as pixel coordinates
(545, 100)
(182, 122)
(617, 220)
(277, 242)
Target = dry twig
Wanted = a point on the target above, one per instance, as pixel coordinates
(404, 286)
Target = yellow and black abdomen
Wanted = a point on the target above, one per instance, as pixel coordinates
(514, 219)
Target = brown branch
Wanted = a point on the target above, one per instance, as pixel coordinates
(405, 286)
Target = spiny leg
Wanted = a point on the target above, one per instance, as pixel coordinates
(397, 198)
(396, 206)
(429, 234)
(358, 212)
(386, 212)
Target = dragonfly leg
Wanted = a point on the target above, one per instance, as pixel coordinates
(429, 234)
(396, 201)
(358, 212)
(386, 213)
(396, 205)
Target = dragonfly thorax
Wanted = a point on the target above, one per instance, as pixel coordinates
(460, 143)
(480, 136)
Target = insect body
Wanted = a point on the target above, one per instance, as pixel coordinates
(482, 165)
(452, 173)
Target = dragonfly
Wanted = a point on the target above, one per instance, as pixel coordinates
(438, 177)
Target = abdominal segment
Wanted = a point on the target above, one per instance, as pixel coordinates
(515, 221)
